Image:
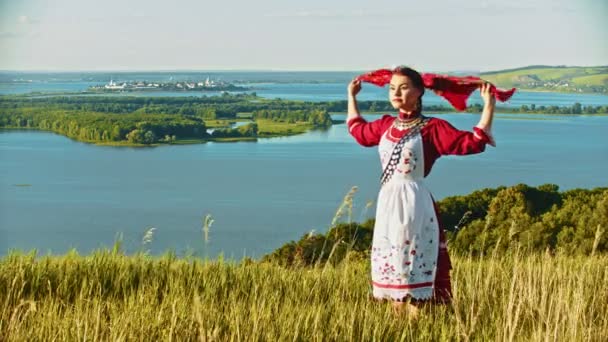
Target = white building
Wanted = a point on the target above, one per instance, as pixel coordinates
(113, 85)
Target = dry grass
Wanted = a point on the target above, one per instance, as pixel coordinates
(110, 296)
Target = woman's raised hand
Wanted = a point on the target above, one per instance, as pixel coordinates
(354, 87)
(486, 94)
(485, 122)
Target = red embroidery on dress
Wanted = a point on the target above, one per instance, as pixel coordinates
(401, 286)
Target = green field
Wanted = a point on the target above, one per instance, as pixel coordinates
(571, 79)
(271, 128)
(601, 79)
(110, 296)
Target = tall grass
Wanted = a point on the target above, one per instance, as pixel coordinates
(111, 296)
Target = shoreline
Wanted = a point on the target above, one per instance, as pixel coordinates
(264, 135)
(193, 141)
(249, 90)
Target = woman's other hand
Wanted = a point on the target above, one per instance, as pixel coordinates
(487, 115)
(486, 94)
(354, 87)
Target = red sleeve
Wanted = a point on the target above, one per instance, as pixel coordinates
(369, 133)
(449, 140)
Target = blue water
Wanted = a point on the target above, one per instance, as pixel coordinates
(298, 87)
(262, 194)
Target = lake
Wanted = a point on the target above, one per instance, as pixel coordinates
(57, 194)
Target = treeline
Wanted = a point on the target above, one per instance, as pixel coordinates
(532, 218)
(385, 106)
(378, 106)
(214, 107)
(248, 130)
(228, 106)
(500, 220)
(103, 127)
(576, 108)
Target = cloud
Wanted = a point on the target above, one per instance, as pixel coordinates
(18, 34)
(9, 34)
(25, 20)
(490, 7)
(320, 14)
(23, 27)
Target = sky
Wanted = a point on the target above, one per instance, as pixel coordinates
(340, 35)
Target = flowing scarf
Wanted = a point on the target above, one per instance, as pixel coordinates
(454, 89)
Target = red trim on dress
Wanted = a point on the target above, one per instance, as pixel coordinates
(404, 286)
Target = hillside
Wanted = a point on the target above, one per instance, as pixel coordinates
(109, 296)
(553, 78)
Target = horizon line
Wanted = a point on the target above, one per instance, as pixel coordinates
(278, 70)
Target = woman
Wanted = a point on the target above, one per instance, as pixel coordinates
(409, 259)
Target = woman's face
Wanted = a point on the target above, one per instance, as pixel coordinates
(402, 93)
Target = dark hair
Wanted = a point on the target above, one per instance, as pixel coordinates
(416, 79)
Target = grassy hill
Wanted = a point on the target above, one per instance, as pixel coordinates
(553, 78)
(108, 296)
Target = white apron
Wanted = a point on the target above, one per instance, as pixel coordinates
(406, 234)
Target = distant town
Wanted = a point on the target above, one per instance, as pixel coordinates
(206, 85)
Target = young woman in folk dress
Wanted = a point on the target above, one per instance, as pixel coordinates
(409, 258)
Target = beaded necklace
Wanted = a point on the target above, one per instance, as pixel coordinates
(402, 124)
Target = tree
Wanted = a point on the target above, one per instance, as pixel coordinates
(136, 136)
(249, 130)
(149, 137)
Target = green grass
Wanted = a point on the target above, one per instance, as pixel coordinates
(233, 139)
(188, 141)
(110, 296)
(244, 115)
(218, 123)
(270, 128)
(547, 73)
(593, 80)
(225, 123)
(579, 79)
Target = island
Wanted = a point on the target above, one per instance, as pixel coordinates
(151, 121)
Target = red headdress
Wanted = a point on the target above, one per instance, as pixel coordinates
(454, 89)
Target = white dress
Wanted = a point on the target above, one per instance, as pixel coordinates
(406, 233)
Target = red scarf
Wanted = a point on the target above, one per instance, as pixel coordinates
(454, 89)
